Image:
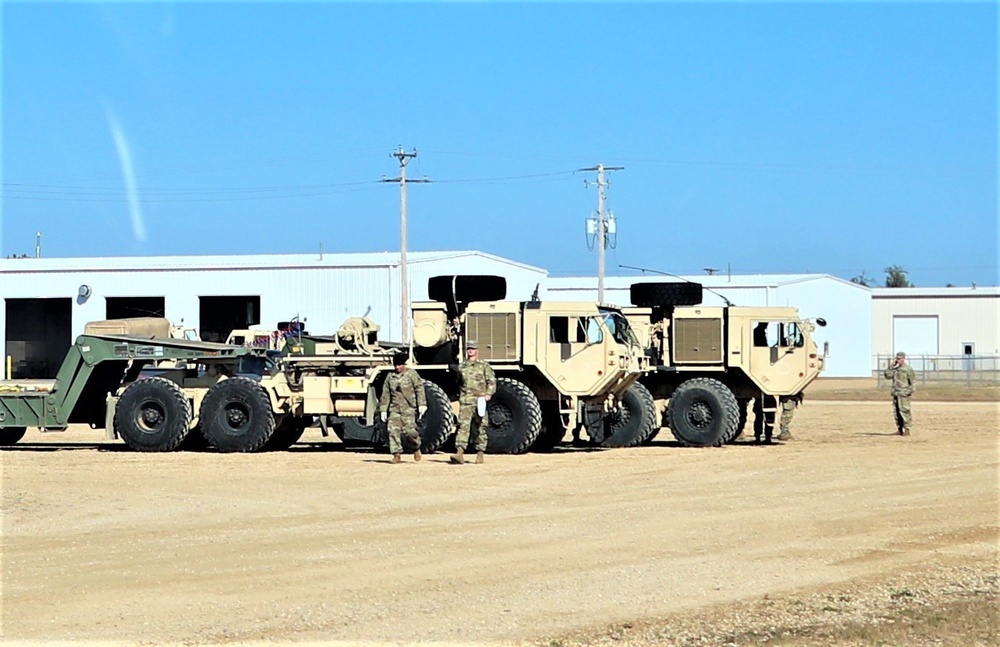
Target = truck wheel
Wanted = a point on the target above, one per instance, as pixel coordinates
(515, 418)
(702, 412)
(10, 435)
(438, 424)
(286, 433)
(152, 415)
(352, 433)
(633, 423)
(236, 416)
(741, 424)
(552, 431)
(651, 295)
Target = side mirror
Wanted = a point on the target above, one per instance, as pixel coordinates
(821, 322)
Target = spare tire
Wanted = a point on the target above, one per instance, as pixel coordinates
(652, 295)
(515, 418)
(463, 288)
(702, 412)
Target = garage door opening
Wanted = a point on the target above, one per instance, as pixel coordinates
(39, 332)
(219, 316)
(128, 307)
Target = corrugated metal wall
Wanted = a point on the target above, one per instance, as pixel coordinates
(963, 317)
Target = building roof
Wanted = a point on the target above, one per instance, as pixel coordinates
(247, 261)
(934, 293)
(717, 281)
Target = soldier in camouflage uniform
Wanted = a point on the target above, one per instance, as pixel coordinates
(788, 406)
(402, 403)
(903, 383)
(477, 380)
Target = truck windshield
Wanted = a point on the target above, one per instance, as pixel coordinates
(617, 324)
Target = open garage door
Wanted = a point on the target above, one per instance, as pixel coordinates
(39, 332)
(219, 316)
(128, 307)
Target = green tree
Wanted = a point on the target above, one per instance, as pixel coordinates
(895, 277)
(863, 279)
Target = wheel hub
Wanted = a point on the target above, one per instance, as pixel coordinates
(500, 416)
(151, 416)
(236, 416)
(700, 415)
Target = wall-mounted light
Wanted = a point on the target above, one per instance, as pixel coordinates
(84, 292)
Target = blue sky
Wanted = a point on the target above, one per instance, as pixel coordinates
(762, 137)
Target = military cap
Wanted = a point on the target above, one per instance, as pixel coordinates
(900, 355)
(471, 344)
(400, 358)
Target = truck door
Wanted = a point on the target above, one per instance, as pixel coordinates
(577, 353)
(777, 355)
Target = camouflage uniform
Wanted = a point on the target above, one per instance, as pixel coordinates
(788, 405)
(903, 384)
(477, 379)
(402, 394)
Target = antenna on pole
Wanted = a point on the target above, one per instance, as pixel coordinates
(603, 228)
(404, 281)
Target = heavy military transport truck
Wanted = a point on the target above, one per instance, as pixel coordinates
(560, 366)
(709, 363)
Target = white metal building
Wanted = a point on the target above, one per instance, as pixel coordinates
(959, 322)
(845, 306)
(47, 301)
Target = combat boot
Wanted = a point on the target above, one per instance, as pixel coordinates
(459, 456)
(479, 458)
(417, 456)
(905, 432)
(785, 436)
(396, 458)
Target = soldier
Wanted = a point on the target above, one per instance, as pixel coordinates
(903, 383)
(788, 405)
(478, 381)
(402, 403)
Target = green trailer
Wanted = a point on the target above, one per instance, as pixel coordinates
(97, 367)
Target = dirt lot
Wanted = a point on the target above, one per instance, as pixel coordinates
(847, 534)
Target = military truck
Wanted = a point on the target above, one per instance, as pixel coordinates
(561, 366)
(129, 359)
(711, 365)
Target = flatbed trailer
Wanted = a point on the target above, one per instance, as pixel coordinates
(95, 367)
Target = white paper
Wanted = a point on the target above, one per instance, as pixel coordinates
(481, 406)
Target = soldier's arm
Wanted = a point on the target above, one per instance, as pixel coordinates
(383, 401)
(491, 380)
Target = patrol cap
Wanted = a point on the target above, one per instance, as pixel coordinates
(900, 355)
(400, 358)
(471, 344)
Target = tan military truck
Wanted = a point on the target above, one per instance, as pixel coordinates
(709, 365)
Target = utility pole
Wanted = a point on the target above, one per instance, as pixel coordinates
(602, 224)
(404, 281)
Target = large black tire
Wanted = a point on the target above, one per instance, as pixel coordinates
(652, 295)
(632, 424)
(10, 435)
(152, 415)
(352, 433)
(286, 433)
(702, 412)
(515, 418)
(744, 406)
(553, 430)
(438, 424)
(464, 288)
(236, 416)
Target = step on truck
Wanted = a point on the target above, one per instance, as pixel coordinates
(711, 366)
(561, 367)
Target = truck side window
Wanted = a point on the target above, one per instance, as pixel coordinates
(792, 336)
(590, 331)
(760, 334)
(559, 330)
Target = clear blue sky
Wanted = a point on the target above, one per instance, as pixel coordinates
(766, 137)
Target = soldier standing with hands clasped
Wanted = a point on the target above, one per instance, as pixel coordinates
(402, 403)
(478, 381)
(903, 383)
